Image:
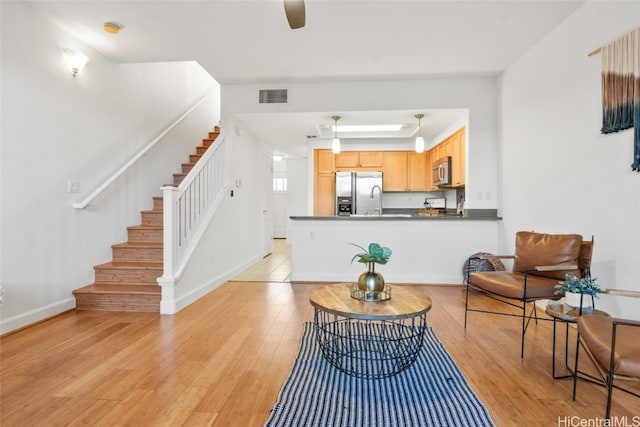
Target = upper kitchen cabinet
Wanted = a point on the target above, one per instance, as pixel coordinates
(458, 158)
(324, 161)
(405, 171)
(418, 168)
(352, 160)
(438, 152)
(394, 170)
(454, 147)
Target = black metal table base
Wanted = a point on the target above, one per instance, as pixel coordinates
(566, 352)
(572, 371)
(369, 349)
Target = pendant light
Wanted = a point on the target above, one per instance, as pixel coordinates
(335, 143)
(419, 139)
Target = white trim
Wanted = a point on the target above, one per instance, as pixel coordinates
(171, 305)
(37, 315)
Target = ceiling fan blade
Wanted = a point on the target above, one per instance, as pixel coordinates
(295, 13)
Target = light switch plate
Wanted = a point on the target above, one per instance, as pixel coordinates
(73, 187)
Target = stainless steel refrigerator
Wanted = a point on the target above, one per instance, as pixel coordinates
(354, 190)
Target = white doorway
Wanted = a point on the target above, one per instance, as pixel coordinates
(280, 199)
(266, 174)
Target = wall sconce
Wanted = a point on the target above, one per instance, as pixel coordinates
(75, 60)
(419, 138)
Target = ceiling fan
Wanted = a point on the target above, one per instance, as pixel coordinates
(295, 13)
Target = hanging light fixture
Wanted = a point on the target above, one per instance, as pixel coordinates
(419, 138)
(335, 143)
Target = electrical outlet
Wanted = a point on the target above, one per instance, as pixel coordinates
(73, 187)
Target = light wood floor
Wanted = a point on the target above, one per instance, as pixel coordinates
(222, 361)
(275, 267)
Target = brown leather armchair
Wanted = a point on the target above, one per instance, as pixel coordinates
(613, 345)
(540, 262)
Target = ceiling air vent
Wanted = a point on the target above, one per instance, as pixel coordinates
(273, 96)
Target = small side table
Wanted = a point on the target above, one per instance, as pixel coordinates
(563, 313)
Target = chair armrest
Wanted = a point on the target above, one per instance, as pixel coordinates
(493, 256)
(626, 322)
(554, 267)
(622, 292)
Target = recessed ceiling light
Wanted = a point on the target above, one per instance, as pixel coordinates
(369, 128)
(111, 27)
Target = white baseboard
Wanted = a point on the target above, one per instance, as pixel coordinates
(37, 315)
(172, 305)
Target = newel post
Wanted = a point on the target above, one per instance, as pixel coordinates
(169, 239)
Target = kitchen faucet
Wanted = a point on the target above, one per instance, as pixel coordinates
(380, 198)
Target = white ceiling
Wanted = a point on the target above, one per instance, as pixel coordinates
(249, 42)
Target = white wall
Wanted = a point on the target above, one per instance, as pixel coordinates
(57, 128)
(559, 174)
(297, 193)
(424, 250)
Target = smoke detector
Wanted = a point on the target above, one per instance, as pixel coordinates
(111, 27)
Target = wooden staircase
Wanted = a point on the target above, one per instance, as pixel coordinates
(128, 281)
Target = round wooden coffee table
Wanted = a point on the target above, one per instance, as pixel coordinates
(369, 339)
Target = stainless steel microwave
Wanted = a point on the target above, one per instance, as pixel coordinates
(442, 172)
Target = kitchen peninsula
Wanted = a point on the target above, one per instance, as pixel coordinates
(426, 249)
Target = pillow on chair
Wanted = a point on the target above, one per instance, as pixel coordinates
(537, 249)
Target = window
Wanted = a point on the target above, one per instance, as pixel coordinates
(279, 185)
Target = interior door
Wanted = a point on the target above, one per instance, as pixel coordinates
(267, 205)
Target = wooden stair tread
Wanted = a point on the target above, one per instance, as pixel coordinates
(153, 245)
(133, 289)
(145, 227)
(131, 265)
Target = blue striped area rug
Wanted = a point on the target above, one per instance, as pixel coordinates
(430, 392)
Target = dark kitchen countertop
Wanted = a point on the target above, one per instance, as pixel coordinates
(410, 215)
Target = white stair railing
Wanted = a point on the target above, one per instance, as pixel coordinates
(189, 207)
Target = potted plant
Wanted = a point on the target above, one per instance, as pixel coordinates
(370, 280)
(575, 288)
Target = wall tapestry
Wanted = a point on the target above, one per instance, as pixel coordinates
(621, 88)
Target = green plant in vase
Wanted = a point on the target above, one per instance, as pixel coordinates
(370, 280)
(575, 288)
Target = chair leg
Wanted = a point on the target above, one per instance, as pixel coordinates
(609, 395)
(466, 301)
(575, 368)
(612, 367)
(524, 327)
(466, 305)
